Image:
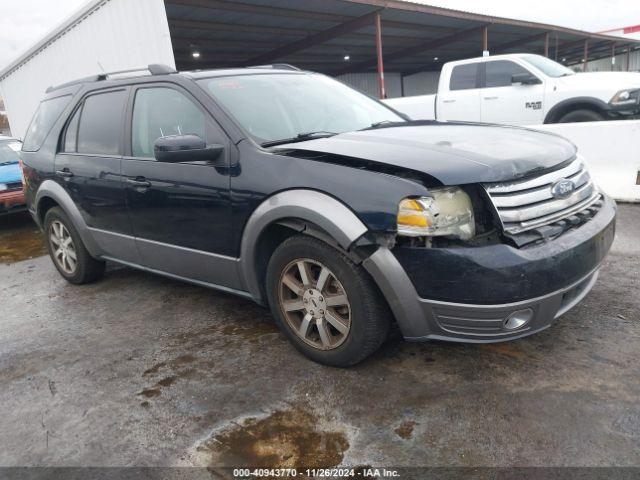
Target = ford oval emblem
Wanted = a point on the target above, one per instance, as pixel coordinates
(562, 188)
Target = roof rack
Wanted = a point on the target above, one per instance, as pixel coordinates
(277, 66)
(153, 69)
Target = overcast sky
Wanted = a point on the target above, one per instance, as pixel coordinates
(24, 22)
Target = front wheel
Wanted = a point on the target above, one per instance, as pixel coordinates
(581, 116)
(67, 251)
(328, 306)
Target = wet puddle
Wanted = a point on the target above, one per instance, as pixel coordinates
(284, 439)
(20, 238)
(155, 390)
(405, 430)
(247, 331)
(504, 349)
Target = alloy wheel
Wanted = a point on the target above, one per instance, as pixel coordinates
(62, 247)
(315, 304)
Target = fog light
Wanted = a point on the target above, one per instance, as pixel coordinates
(518, 319)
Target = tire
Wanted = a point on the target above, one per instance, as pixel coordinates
(581, 116)
(349, 297)
(85, 268)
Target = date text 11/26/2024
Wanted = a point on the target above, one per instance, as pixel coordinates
(362, 472)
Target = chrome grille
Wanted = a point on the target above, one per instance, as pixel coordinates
(527, 204)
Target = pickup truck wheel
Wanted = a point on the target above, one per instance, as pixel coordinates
(328, 306)
(581, 116)
(67, 251)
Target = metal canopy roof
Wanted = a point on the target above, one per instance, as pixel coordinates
(318, 34)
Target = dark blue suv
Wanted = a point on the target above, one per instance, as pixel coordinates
(339, 213)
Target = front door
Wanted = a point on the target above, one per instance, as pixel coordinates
(88, 166)
(180, 212)
(507, 103)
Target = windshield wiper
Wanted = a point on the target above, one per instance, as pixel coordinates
(382, 123)
(301, 137)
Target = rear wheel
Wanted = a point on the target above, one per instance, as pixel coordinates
(582, 115)
(328, 306)
(67, 251)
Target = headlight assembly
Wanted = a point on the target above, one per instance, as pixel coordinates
(448, 213)
(626, 97)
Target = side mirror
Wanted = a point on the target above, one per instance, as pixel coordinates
(524, 79)
(186, 148)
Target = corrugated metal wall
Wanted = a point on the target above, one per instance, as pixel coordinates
(604, 64)
(423, 83)
(418, 84)
(118, 35)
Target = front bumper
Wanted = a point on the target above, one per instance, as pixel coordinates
(12, 201)
(548, 279)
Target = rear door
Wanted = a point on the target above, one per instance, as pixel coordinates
(89, 164)
(460, 99)
(508, 103)
(180, 212)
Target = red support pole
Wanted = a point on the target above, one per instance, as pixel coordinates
(382, 91)
(586, 55)
(613, 55)
(485, 39)
(546, 44)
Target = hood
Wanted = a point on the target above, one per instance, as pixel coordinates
(10, 173)
(613, 81)
(452, 153)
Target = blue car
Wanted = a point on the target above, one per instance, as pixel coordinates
(11, 189)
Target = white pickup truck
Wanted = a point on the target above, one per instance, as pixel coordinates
(524, 89)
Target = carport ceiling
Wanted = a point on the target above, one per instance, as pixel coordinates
(319, 34)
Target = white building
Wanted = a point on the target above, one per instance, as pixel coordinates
(105, 35)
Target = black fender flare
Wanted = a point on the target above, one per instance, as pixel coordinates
(593, 102)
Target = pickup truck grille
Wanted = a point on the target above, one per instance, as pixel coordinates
(530, 203)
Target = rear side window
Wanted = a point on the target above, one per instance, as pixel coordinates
(499, 73)
(47, 114)
(100, 128)
(464, 77)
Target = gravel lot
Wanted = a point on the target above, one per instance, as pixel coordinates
(141, 370)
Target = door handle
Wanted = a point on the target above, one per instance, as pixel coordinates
(64, 173)
(139, 182)
(491, 98)
(448, 101)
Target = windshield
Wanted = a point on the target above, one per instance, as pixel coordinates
(272, 107)
(547, 66)
(9, 151)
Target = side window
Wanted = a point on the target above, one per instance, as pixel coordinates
(161, 112)
(47, 114)
(100, 126)
(464, 77)
(499, 73)
(71, 134)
